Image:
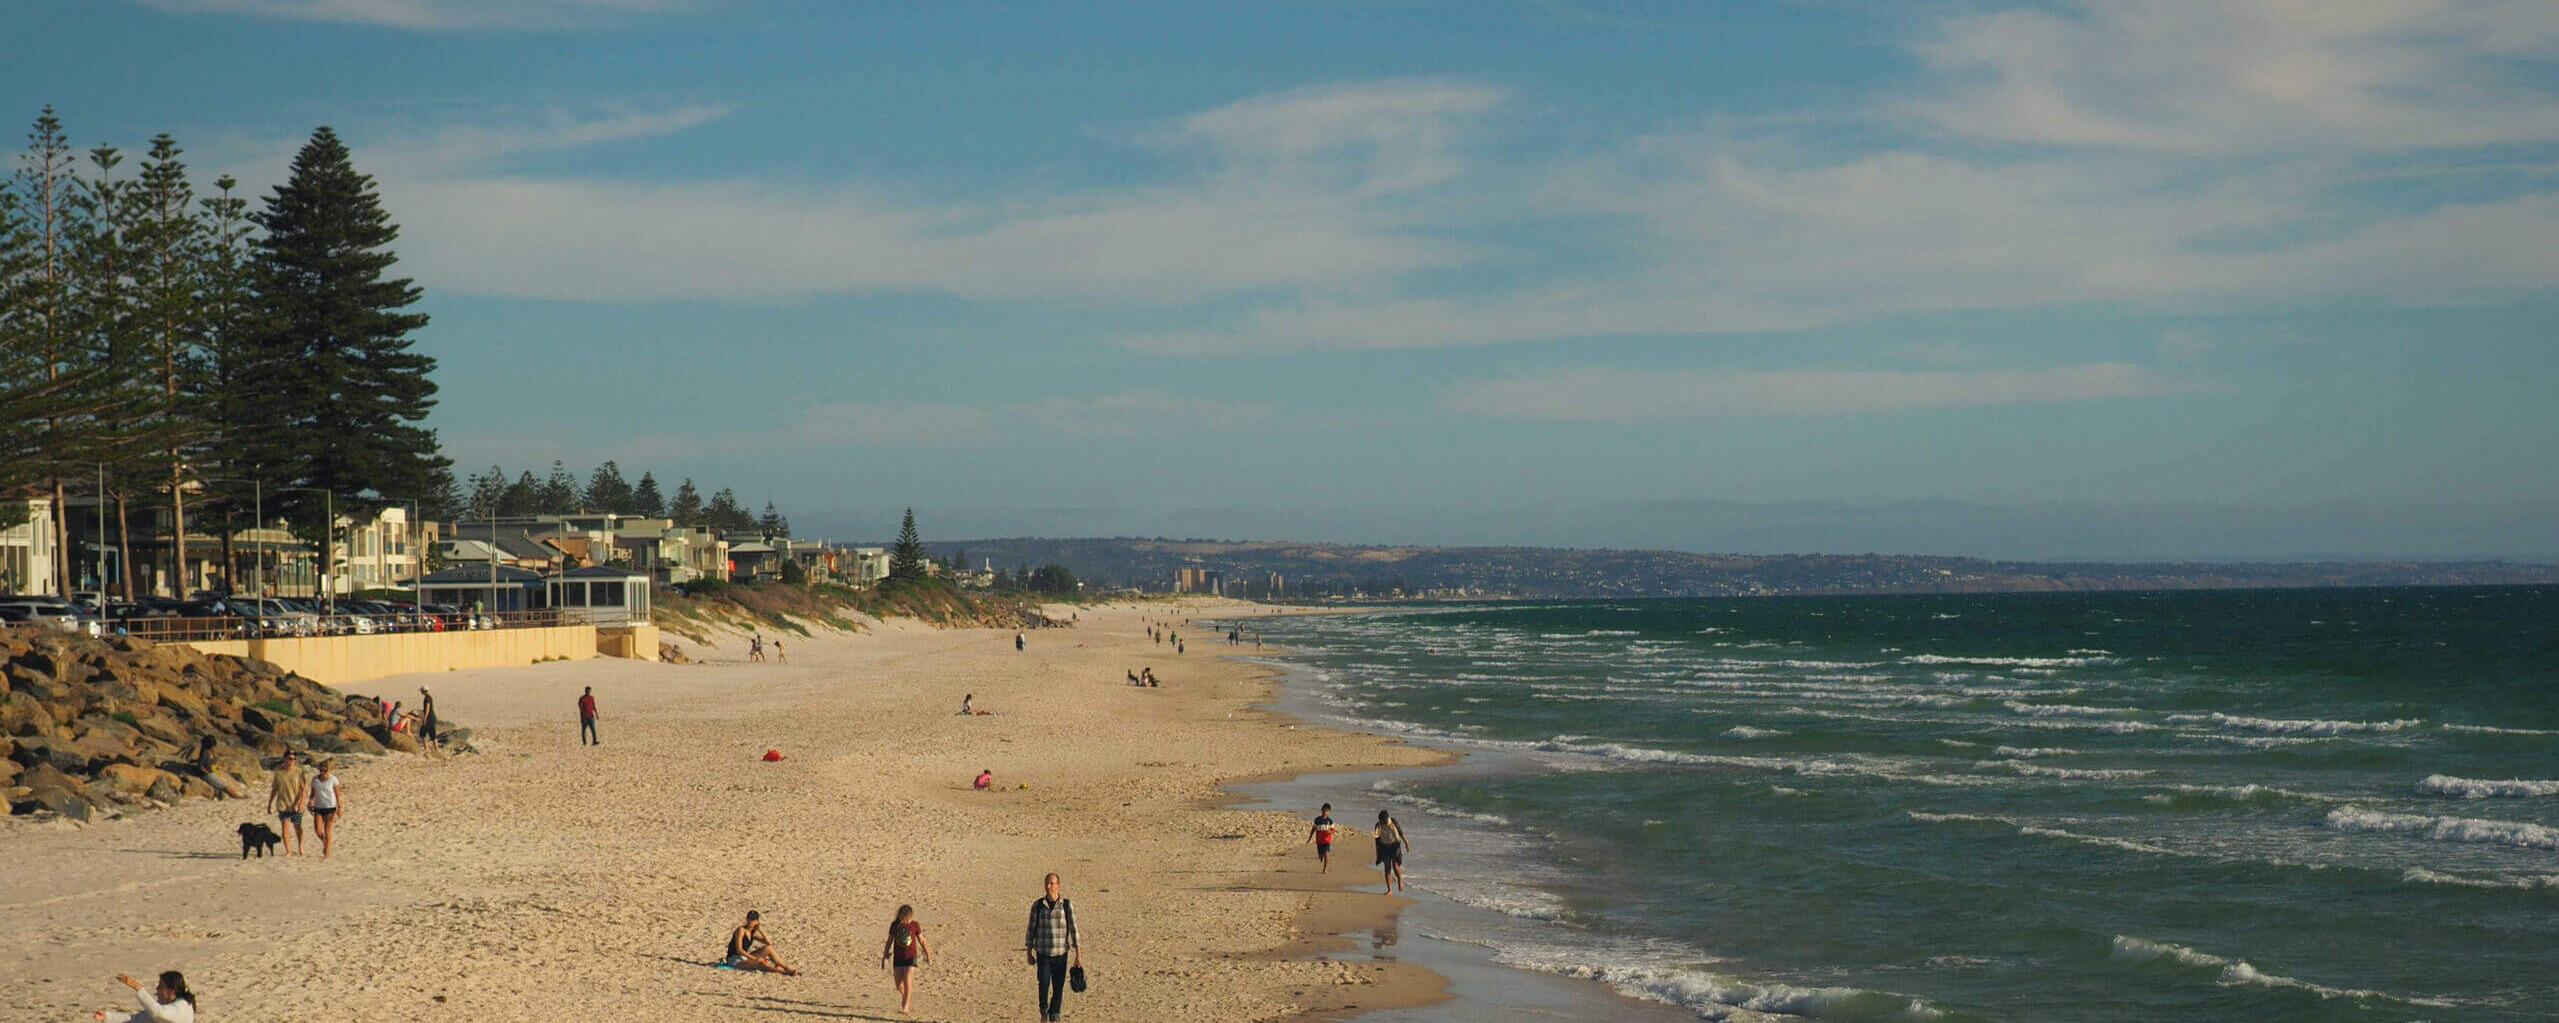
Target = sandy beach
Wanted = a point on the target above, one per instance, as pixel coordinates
(539, 879)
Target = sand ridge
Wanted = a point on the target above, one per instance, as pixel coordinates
(542, 880)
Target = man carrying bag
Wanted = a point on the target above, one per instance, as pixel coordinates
(1049, 943)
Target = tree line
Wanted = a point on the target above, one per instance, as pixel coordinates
(161, 345)
(606, 491)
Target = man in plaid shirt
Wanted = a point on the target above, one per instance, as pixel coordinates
(1048, 943)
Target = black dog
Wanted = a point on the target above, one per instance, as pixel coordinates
(257, 836)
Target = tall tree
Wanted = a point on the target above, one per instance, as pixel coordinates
(55, 399)
(724, 514)
(906, 559)
(607, 492)
(487, 494)
(168, 242)
(344, 388)
(686, 508)
(103, 278)
(772, 522)
(645, 499)
(559, 493)
(522, 497)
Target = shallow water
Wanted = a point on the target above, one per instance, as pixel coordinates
(2322, 805)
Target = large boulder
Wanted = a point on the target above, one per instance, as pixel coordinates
(134, 778)
(67, 802)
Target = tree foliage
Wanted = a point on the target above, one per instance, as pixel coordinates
(906, 559)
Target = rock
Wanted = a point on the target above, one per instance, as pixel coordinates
(9, 771)
(325, 742)
(229, 787)
(184, 699)
(61, 801)
(190, 785)
(134, 777)
(398, 742)
(672, 654)
(52, 753)
(165, 790)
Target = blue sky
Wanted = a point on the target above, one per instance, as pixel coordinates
(2151, 278)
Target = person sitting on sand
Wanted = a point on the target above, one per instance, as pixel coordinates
(985, 780)
(750, 950)
(1133, 679)
(170, 1002)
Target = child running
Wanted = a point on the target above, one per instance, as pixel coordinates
(906, 950)
(1322, 835)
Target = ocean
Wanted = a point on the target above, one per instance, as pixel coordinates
(2273, 805)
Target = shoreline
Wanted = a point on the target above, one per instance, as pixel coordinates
(540, 879)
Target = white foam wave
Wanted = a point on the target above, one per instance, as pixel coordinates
(2031, 752)
(2236, 972)
(2061, 710)
(2421, 875)
(2101, 841)
(2472, 788)
(1965, 818)
(2068, 773)
(2290, 726)
(2494, 730)
(2446, 829)
(1747, 732)
(2254, 793)
(1719, 998)
(2100, 727)
(2012, 662)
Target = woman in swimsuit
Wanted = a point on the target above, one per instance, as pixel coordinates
(749, 950)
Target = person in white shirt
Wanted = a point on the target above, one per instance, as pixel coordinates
(171, 1002)
(324, 803)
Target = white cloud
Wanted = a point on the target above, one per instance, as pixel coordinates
(429, 14)
(2216, 76)
(938, 424)
(1619, 396)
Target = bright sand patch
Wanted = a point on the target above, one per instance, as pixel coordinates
(540, 880)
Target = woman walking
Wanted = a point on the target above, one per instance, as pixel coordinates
(170, 1002)
(324, 803)
(1391, 847)
(904, 951)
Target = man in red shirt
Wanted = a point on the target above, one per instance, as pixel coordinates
(586, 719)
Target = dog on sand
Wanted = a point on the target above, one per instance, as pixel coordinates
(257, 836)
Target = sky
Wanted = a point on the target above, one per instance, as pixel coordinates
(2136, 279)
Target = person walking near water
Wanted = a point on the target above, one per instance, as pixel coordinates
(1322, 835)
(426, 719)
(1049, 943)
(906, 950)
(288, 795)
(1017, 642)
(1391, 847)
(325, 804)
(586, 719)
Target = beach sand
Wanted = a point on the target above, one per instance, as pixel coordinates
(538, 879)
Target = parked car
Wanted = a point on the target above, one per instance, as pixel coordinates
(271, 616)
(57, 612)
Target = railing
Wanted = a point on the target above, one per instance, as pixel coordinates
(161, 629)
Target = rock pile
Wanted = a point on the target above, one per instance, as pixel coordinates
(92, 723)
(672, 654)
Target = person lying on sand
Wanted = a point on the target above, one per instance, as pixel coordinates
(750, 950)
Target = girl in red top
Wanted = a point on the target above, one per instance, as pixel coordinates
(905, 948)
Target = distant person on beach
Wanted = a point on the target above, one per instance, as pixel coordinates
(1017, 642)
(426, 719)
(750, 950)
(967, 705)
(905, 950)
(1391, 847)
(778, 656)
(170, 1002)
(1132, 680)
(288, 795)
(1149, 675)
(1177, 646)
(755, 648)
(1048, 943)
(1322, 835)
(325, 804)
(985, 780)
(586, 719)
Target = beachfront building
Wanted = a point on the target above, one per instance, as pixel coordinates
(486, 587)
(29, 551)
(669, 553)
(756, 560)
(868, 565)
(383, 551)
(601, 595)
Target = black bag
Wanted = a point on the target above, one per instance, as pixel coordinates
(1075, 979)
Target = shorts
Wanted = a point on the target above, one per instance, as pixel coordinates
(1323, 848)
(903, 963)
(289, 816)
(1390, 854)
(330, 814)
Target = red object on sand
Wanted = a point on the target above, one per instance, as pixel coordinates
(772, 755)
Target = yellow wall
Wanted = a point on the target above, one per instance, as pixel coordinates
(640, 641)
(332, 660)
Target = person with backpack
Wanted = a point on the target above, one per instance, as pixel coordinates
(906, 950)
(1050, 943)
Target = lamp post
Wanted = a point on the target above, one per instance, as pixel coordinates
(328, 542)
(258, 515)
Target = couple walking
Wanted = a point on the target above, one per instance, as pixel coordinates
(1050, 945)
(1391, 845)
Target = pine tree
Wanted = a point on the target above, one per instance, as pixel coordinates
(725, 515)
(559, 493)
(169, 278)
(906, 559)
(606, 492)
(488, 494)
(340, 389)
(646, 502)
(686, 509)
(522, 497)
(772, 522)
(53, 392)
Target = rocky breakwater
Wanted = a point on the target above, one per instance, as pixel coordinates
(91, 725)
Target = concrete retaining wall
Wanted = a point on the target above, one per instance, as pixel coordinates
(333, 660)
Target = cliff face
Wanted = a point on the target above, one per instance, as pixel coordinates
(87, 725)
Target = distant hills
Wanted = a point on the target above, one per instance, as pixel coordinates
(1315, 570)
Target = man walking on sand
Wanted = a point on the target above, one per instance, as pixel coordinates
(288, 795)
(586, 719)
(1049, 943)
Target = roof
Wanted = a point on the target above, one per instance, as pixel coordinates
(601, 572)
(478, 575)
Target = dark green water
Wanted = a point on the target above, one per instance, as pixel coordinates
(2309, 805)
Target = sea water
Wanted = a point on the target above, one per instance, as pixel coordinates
(2302, 805)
